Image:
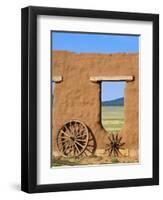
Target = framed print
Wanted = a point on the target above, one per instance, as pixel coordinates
(90, 99)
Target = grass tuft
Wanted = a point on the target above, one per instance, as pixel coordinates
(114, 160)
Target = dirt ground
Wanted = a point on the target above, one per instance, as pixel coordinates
(92, 160)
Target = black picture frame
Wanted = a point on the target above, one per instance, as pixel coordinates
(29, 99)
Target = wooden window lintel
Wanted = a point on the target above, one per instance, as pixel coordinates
(57, 79)
(111, 78)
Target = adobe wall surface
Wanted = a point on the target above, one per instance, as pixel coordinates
(79, 98)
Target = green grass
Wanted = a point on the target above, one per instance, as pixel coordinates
(68, 162)
(114, 160)
(112, 117)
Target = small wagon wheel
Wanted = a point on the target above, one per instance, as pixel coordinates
(114, 145)
(72, 138)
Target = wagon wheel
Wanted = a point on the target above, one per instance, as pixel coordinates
(114, 145)
(91, 146)
(72, 138)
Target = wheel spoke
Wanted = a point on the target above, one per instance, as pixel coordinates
(120, 145)
(109, 139)
(113, 137)
(120, 138)
(65, 138)
(119, 152)
(66, 148)
(80, 140)
(76, 147)
(76, 127)
(111, 152)
(79, 144)
(67, 133)
(71, 128)
(116, 137)
(64, 145)
(64, 133)
(88, 150)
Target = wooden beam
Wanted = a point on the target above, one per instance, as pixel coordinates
(57, 79)
(111, 78)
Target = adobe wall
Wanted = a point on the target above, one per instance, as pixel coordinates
(79, 98)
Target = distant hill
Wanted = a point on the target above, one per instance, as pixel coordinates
(115, 102)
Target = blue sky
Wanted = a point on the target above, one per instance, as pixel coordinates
(98, 43)
(112, 90)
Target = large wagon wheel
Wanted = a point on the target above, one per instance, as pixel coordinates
(72, 138)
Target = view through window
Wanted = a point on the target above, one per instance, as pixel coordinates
(112, 105)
